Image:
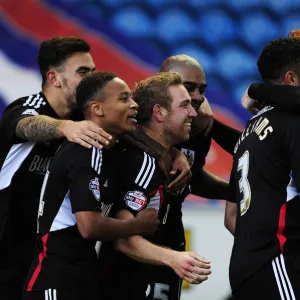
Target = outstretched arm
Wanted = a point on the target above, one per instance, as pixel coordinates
(189, 266)
(42, 128)
(225, 136)
(208, 185)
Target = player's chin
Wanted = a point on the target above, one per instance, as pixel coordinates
(130, 126)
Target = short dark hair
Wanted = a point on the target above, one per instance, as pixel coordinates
(152, 91)
(278, 57)
(55, 51)
(90, 86)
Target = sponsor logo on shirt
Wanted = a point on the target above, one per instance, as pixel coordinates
(136, 200)
(40, 164)
(190, 155)
(94, 186)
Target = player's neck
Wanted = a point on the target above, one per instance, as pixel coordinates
(158, 136)
(58, 103)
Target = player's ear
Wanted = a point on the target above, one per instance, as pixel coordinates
(159, 112)
(96, 108)
(291, 78)
(53, 78)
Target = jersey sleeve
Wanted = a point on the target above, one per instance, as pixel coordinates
(284, 97)
(83, 171)
(225, 136)
(291, 140)
(18, 110)
(132, 182)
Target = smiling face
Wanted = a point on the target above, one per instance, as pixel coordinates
(194, 81)
(177, 123)
(118, 109)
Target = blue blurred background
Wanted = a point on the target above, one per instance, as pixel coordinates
(132, 38)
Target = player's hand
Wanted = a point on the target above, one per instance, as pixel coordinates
(180, 165)
(250, 104)
(204, 120)
(148, 221)
(85, 133)
(191, 267)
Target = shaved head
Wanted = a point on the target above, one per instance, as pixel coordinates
(179, 60)
(192, 73)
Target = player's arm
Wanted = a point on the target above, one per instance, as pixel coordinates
(95, 226)
(42, 128)
(181, 167)
(203, 122)
(83, 171)
(230, 216)
(208, 185)
(225, 136)
(231, 208)
(188, 265)
(291, 140)
(276, 96)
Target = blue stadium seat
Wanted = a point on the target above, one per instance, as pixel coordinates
(132, 21)
(204, 3)
(244, 5)
(290, 23)
(234, 62)
(239, 88)
(281, 7)
(206, 60)
(174, 25)
(215, 27)
(257, 29)
(114, 3)
(159, 3)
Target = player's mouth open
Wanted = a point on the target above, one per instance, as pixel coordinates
(133, 118)
(188, 124)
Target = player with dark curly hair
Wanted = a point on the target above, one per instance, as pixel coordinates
(265, 180)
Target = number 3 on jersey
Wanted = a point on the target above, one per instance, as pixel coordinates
(244, 185)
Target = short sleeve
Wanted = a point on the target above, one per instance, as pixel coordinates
(83, 171)
(132, 182)
(18, 110)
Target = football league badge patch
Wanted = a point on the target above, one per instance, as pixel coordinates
(95, 188)
(136, 200)
(190, 155)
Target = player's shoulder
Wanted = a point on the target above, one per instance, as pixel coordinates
(31, 105)
(135, 160)
(72, 153)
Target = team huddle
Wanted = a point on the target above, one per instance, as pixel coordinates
(93, 177)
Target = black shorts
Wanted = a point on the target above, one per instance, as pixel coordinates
(166, 284)
(12, 290)
(53, 294)
(277, 280)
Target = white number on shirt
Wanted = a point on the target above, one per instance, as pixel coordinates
(244, 185)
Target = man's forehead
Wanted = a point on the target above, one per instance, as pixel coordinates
(191, 73)
(179, 92)
(80, 59)
(117, 86)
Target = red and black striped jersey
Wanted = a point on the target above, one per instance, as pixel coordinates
(265, 182)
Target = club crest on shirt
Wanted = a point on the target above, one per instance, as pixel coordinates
(94, 186)
(136, 200)
(190, 155)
